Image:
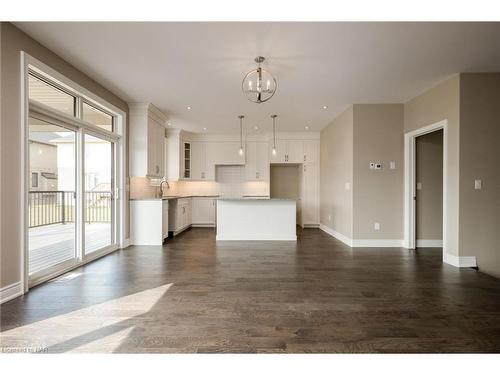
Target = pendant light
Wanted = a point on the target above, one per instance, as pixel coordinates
(274, 133)
(241, 117)
(258, 84)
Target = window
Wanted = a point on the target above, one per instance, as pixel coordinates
(34, 179)
(97, 117)
(50, 95)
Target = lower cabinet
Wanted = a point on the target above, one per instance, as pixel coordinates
(203, 211)
(179, 215)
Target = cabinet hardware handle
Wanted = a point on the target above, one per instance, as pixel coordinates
(304, 158)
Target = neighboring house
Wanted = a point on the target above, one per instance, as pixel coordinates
(52, 163)
(43, 166)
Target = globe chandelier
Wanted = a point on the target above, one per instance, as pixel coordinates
(258, 84)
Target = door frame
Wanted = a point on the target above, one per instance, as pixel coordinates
(120, 136)
(410, 182)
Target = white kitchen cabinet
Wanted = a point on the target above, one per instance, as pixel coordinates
(287, 151)
(311, 151)
(147, 140)
(179, 215)
(310, 194)
(202, 165)
(257, 161)
(173, 151)
(203, 211)
(294, 151)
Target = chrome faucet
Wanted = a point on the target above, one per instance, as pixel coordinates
(161, 189)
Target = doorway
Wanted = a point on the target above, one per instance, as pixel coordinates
(410, 188)
(429, 189)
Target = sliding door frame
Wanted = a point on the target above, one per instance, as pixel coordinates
(118, 136)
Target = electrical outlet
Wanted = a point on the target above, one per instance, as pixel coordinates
(376, 226)
(347, 186)
(372, 165)
(378, 166)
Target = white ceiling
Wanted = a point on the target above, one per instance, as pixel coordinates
(175, 65)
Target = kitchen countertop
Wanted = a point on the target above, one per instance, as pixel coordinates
(170, 197)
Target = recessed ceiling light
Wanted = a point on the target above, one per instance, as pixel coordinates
(188, 107)
(169, 123)
(325, 107)
(307, 127)
(256, 127)
(204, 128)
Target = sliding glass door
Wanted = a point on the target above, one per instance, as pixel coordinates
(71, 211)
(99, 202)
(52, 224)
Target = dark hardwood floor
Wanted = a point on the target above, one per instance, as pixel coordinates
(317, 295)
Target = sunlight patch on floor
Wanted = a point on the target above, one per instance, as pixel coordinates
(105, 325)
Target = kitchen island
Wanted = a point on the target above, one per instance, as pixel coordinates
(256, 220)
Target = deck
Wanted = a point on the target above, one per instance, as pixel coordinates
(53, 244)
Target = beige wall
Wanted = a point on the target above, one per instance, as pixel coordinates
(336, 158)
(442, 102)
(378, 194)
(429, 173)
(12, 42)
(480, 159)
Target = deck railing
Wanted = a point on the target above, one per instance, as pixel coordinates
(52, 207)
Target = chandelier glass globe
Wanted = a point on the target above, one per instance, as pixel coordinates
(259, 85)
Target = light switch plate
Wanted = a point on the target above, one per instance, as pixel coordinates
(392, 165)
(419, 186)
(347, 186)
(478, 184)
(376, 226)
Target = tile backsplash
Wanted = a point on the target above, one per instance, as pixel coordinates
(229, 183)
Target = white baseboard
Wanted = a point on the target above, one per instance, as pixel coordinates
(337, 235)
(463, 261)
(361, 243)
(377, 243)
(10, 292)
(126, 243)
(429, 243)
(254, 238)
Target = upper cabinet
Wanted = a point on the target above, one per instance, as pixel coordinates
(257, 161)
(295, 151)
(311, 151)
(147, 140)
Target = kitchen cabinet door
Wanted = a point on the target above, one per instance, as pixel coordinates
(294, 151)
(280, 156)
(311, 151)
(262, 161)
(310, 194)
(203, 211)
(197, 161)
